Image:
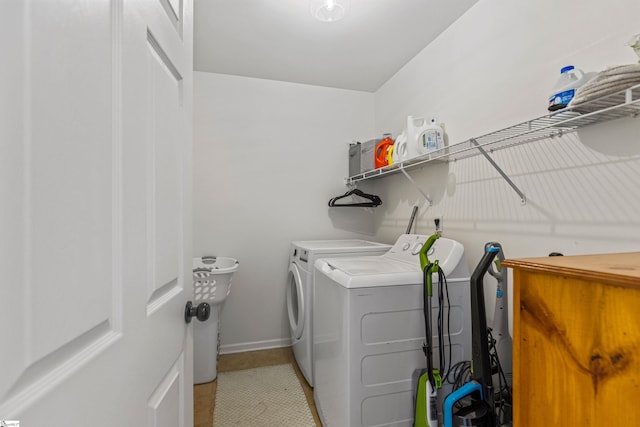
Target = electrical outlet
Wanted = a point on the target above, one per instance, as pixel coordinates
(438, 223)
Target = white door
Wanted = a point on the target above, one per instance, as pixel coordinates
(95, 222)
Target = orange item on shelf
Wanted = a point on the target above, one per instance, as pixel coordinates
(382, 152)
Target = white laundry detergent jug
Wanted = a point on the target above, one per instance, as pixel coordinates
(400, 148)
(416, 127)
(432, 138)
(570, 79)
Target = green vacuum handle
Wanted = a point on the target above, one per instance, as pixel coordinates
(424, 259)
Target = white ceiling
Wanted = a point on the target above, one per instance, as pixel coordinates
(280, 39)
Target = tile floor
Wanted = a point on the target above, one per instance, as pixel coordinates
(204, 394)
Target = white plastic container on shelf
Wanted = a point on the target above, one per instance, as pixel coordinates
(571, 78)
(416, 126)
(211, 284)
(432, 138)
(400, 152)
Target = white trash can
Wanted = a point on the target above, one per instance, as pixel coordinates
(211, 284)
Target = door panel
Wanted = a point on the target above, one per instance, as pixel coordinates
(95, 159)
(165, 182)
(166, 404)
(61, 220)
(174, 9)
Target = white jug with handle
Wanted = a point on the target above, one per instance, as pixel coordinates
(400, 148)
(416, 126)
(570, 79)
(432, 138)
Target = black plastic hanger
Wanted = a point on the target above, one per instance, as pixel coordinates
(374, 200)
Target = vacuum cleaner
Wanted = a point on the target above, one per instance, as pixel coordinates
(429, 379)
(500, 340)
(500, 329)
(474, 401)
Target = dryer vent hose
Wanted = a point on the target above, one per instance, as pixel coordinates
(413, 217)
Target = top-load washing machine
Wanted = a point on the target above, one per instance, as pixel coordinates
(300, 289)
(369, 330)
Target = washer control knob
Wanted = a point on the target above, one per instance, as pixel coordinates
(406, 246)
(416, 248)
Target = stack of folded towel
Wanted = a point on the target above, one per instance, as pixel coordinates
(606, 82)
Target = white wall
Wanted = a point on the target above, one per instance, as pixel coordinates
(495, 67)
(267, 158)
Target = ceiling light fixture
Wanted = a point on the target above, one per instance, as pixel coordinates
(329, 10)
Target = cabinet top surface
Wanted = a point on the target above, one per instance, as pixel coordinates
(620, 268)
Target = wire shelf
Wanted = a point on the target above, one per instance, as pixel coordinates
(625, 103)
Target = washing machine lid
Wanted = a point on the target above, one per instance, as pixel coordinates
(365, 272)
(339, 245)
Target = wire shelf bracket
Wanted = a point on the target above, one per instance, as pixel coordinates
(523, 198)
(417, 187)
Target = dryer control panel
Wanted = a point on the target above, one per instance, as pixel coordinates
(299, 255)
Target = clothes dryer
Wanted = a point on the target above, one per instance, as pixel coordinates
(369, 330)
(299, 292)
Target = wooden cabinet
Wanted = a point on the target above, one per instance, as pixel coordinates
(576, 344)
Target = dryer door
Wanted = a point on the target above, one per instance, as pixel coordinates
(295, 302)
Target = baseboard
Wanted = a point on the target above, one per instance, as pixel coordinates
(253, 346)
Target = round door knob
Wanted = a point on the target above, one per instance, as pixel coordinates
(201, 312)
